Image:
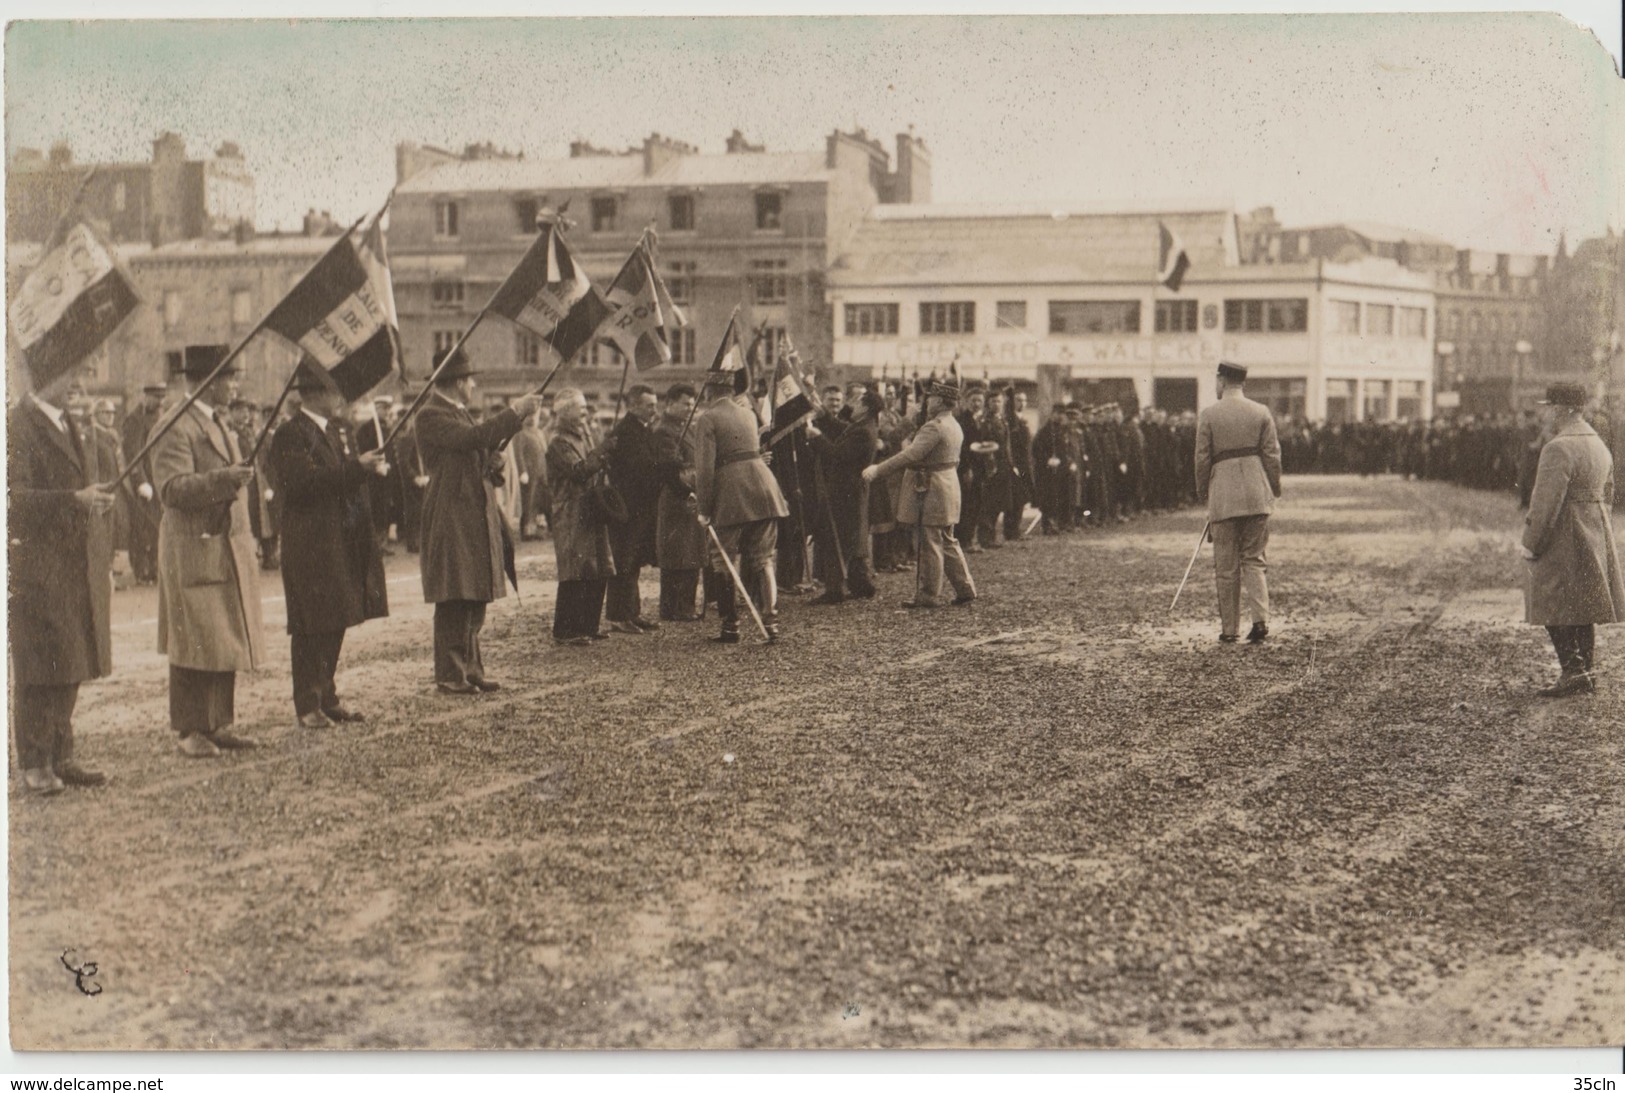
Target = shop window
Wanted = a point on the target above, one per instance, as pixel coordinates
(1176, 316)
(948, 318)
(1010, 315)
(864, 320)
(1077, 317)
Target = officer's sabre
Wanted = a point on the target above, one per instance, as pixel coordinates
(1192, 566)
(739, 585)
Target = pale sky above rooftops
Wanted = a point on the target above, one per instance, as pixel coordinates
(1495, 131)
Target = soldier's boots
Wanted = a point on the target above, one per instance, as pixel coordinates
(728, 609)
(1572, 681)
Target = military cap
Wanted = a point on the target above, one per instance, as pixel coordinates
(1231, 371)
(946, 390)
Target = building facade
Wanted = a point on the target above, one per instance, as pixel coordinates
(1067, 304)
(1491, 347)
(745, 228)
(168, 198)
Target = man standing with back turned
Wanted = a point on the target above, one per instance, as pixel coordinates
(1238, 474)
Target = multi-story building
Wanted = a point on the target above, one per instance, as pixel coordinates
(1490, 344)
(1582, 315)
(166, 199)
(1067, 303)
(745, 228)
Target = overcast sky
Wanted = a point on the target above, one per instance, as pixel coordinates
(1492, 131)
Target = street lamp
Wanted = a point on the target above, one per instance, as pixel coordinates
(1522, 349)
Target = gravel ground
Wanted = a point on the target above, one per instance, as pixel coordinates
(1061, 817)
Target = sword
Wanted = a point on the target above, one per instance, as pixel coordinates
(1192, 566)
(739, 585)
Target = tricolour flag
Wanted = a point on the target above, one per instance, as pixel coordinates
(794, 403)
(641, 312)
(1172, 261)
(342, 313)
(580, 326)
(69, 304)
(544, 286)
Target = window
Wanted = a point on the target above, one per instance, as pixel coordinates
(605, 353)
(443, 341)
(682, 346)
(1379, 319)
(1176, 316)
(862, 319)
(769, 280)
(1408, 400)
(956, 318)
(1094, 317)
(527, 347)
(1343, 317)
(604, 212)
(445, 219)
(680, 282)
(1272, 316)
(1452, 323)
(769, 211)
(1413, 322)
(1475, 323)
(1376, 400)
(1284, 397)
(1010, 315)
(1339, 401)
(1495, 324)
(680, 210)
(446, 295)
(772, 338)
(172, 309)
(242, 307)
(524, 213)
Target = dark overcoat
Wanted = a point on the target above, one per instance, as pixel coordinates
(680, 539)
(332, 573)
(60, 556)
(632, 471)
(1574, 579)
(464, 541)
(580, 537)
(843, 452)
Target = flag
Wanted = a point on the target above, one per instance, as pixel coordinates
(793, 402)
(543, 288)
(70, 304)
(1172, 261)
(342, 312)
(730, 357)
(580, 326)
(638, 322)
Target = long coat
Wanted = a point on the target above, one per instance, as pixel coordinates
(1244, 486)
(679, 538)
(60, 556)
(732, 482)
(332, 573)
(208, 594)
(842, 456)
(1055, 487)
(465, 544)
(1574, 579)
(930, 493)
(632, 471)
(580, 537)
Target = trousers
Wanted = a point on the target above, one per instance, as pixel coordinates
(315, 660)
(941, 555)
(621, 600)
(577, 609)
(201, 702)
(677, 587)
(1238, 569)
(457, 625)
(1574, 645)
(42, 722)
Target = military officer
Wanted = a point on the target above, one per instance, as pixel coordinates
(739, 498)
(929, 499)
(1568, 540)
(1238, 474)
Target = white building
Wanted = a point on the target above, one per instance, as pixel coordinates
(1067, 303)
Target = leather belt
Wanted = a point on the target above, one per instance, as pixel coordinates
(1234, 453)
(936, 466)
(736, 457)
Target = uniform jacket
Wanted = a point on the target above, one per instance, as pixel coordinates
(930, 489)
(580, 537)
(60, 556)
(1056, 486)
(679, 538)
(1575, 577)
(732, 487)
(208, 593)
(843, 452)
(632, 471)
(1245, 486)
(465, 545)
(331, 570)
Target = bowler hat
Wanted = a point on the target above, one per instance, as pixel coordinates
(199, 361)
(1230, 371)
(1565, 394)
(455, 367)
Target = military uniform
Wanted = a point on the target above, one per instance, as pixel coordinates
(738, 494)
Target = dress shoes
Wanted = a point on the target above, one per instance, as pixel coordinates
(645, 624)
(621, 626)
(73, 774)
(1258, 633)
(961, 601)
(41, 781)
(919, 605)
(226, 740)
(1569, 683)
(579, 639)
(599, 635)
(315, 719)
(457, 688)
(197, 746)
(727, 637)
(1228, 639)
(485, 686)
(827, 599)
(865, 594)
(341, 712)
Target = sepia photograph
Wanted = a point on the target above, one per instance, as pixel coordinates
(815, 532)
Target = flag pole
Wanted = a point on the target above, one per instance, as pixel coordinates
(186, 404)
(428, 384)
(55, 238)
(739, 585)
(270, 421)
(696, 405)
